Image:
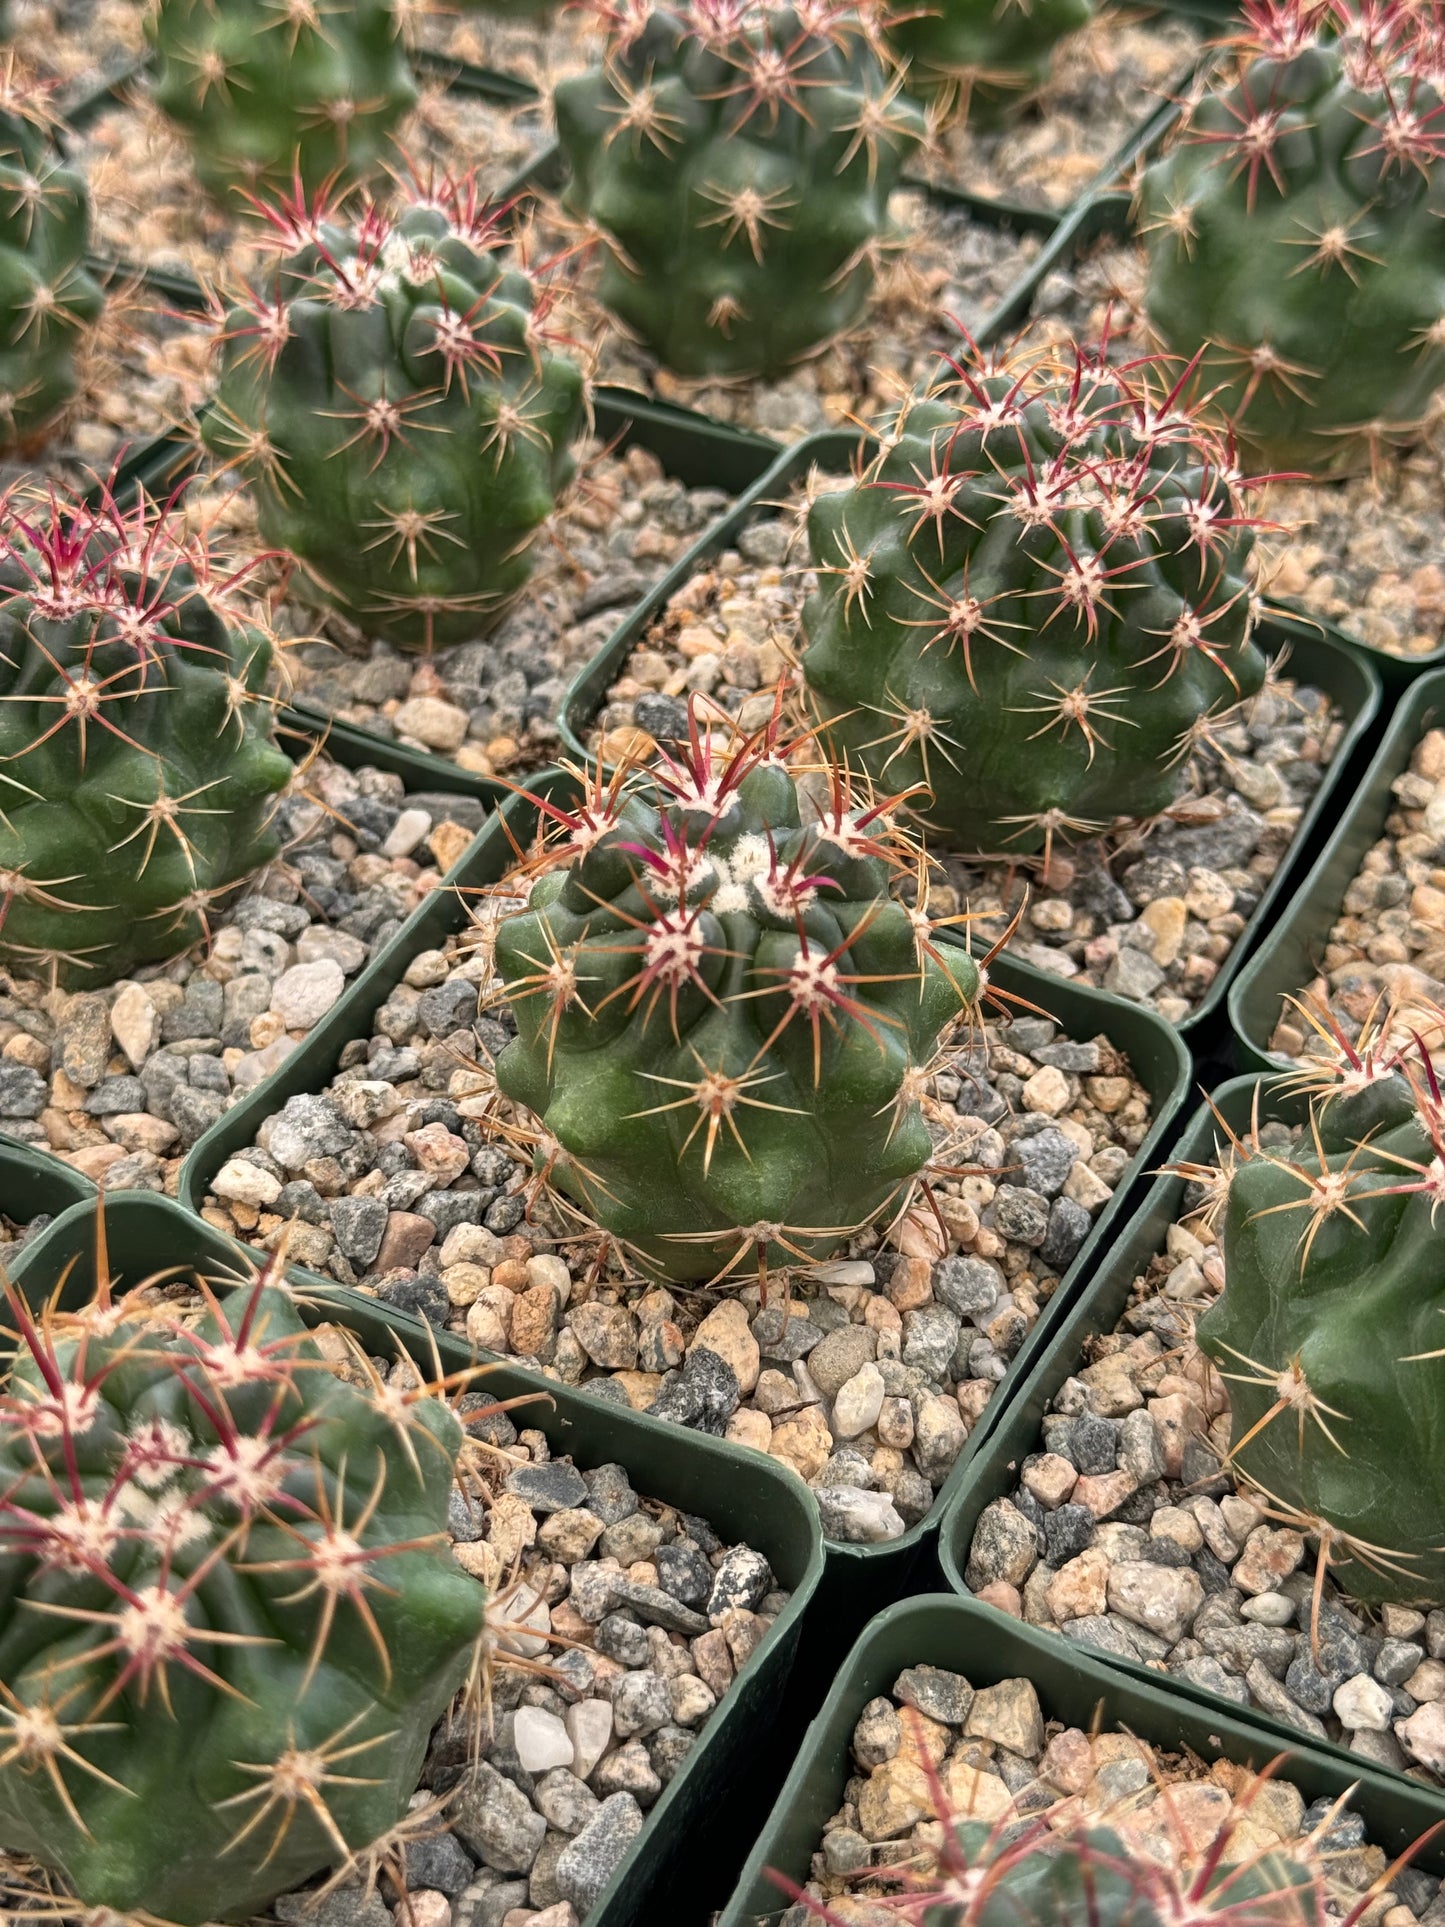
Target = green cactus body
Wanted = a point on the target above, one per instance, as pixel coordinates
(725, 1020)
(267, 93)
(47, 295)
(1087, 1876)
(1295, 233)
(737, 159)
(137, 757)
(1030, 602)
(1329, 1331)
(229, 1615)
(394, 404)
(982, 58)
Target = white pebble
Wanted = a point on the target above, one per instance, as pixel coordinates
(1363, 1702)
(589, 1726)
(304, 993)
(246, 1183)
(408, 830)
(541, 1740)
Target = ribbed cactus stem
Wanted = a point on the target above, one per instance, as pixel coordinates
(1032, 601)
(726, 1016)
(735, 158)
(393, 396)
(229, 1615)
(1295, 233)
(138, 761)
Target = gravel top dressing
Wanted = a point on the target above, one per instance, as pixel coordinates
(1363, 553)
(411, 1177)
(1128, 1533)
(1150, 915)
(121, 1082)
(1385, 957)
(1001, 1760)
(1105, 82)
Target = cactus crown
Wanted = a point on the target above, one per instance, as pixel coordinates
(1328, 1330)
(1294, 229)
(1032, 601)
(268, 89)
(726, 1019)
(137, 760)
(47, 295)
(737, 157)
(395, 370)
(1129, 1866)
(230, 1615)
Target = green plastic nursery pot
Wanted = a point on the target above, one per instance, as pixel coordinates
(33, 1184)
(744, 1501)
(994, 1471)
(1073, 1686)
(1314, 656)
(863, 1573)
(1289, 956)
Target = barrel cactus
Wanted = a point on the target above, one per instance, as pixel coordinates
(1294, 230)
(48, 297)
(1329, 1330)
(736, 158)
(1069, 1870)
(266, 92)
(981, 58)
(1031, 600)
(392, 397)
(725, 1019)
(229, 1615)
(138, 763)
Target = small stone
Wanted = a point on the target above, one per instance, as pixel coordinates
(497, 1822)
(743, 1579)
(588, 1862)
(406, 1236)
(1005, 1546)
(1423, 1735)
(941, 1695)
(307, 1127)
(725, 1333)
(564, 1801)
(858, 1518)
(553, 1487)
(245, 1183)
(1161, 1598)
(540, 1739)
(878, 1734)
(302, 995)
(859, 1402)
(803, 1441)
(641, 1703)
(1047, 1091)
(607, 1333)
(589, 1728)
(840, 1356)
(1363, 1702)
(1270, 1555)
(1008, 1714)
(134, 1023)
(433, 723)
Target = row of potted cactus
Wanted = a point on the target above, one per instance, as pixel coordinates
(231, 1616)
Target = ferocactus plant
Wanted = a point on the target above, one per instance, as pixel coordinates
(735, 159)
(981, 59)
(1329, 1329)
(229, 1615)
(1032, 601)
(1067, 1867)
(269, 91)
(48, 297)
(138, 762)
(1295, 234)
(391, 395)
(725, 1017)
